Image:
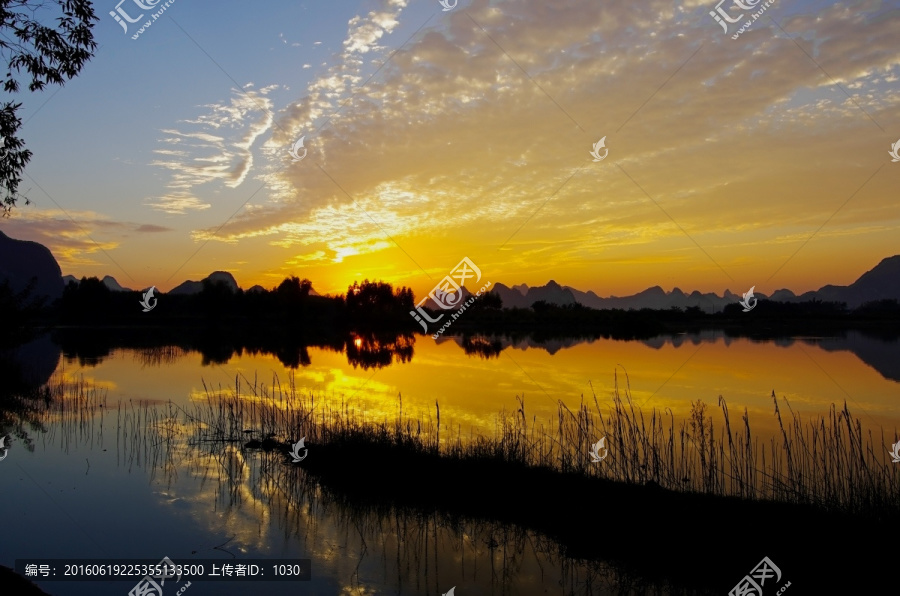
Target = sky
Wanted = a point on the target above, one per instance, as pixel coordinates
(431, 135)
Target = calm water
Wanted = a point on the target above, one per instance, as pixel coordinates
(665, 372)
(102, 486)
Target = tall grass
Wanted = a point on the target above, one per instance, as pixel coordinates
(826, 461)
(73, 412)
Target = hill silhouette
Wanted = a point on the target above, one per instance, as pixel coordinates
(882, 282)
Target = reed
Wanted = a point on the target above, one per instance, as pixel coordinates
(826, 461)
(528, 480)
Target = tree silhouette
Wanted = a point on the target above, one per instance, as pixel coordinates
(88, 299)
(371, 298)
(46, 55)
(491, 300)
(293, 290)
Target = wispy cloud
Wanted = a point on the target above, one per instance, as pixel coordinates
(76, 239)
(153, 229)
(214, 147)
(451, 140)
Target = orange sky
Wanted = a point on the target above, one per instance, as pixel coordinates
(726, 157)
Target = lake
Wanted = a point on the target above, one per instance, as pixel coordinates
(120, 481)
(664, 372)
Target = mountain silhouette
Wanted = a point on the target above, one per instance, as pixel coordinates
(109, 281)
(466, 294)
(658, 299)
(23, 262)
(522, 296)
(195, 287)
(188, 287)
(880, 283)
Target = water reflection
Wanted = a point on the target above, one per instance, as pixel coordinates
(248, 501)
(260, 504)
(24, 372)
(485, 347)
(377, 350)
(371, 350)
(366, 350)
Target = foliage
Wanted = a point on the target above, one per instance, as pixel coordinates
(44, 55)
(378, 302)
(19, 310)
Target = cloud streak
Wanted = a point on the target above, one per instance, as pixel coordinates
(452, 141)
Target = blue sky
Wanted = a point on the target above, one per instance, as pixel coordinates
(727, 155)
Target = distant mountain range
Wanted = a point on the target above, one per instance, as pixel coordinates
(881, 355)
(195, 287)
(522, 296)
(882, 282)
(188, 287)
(108, 281)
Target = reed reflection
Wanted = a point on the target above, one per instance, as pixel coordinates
(414, 505)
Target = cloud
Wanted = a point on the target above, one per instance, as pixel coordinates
(178, 203)
(452, 140)
(74, 237)
(152, 228)
(213, 148)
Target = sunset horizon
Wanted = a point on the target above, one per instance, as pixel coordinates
(424, 290)
(429, 137)
(449, 297)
